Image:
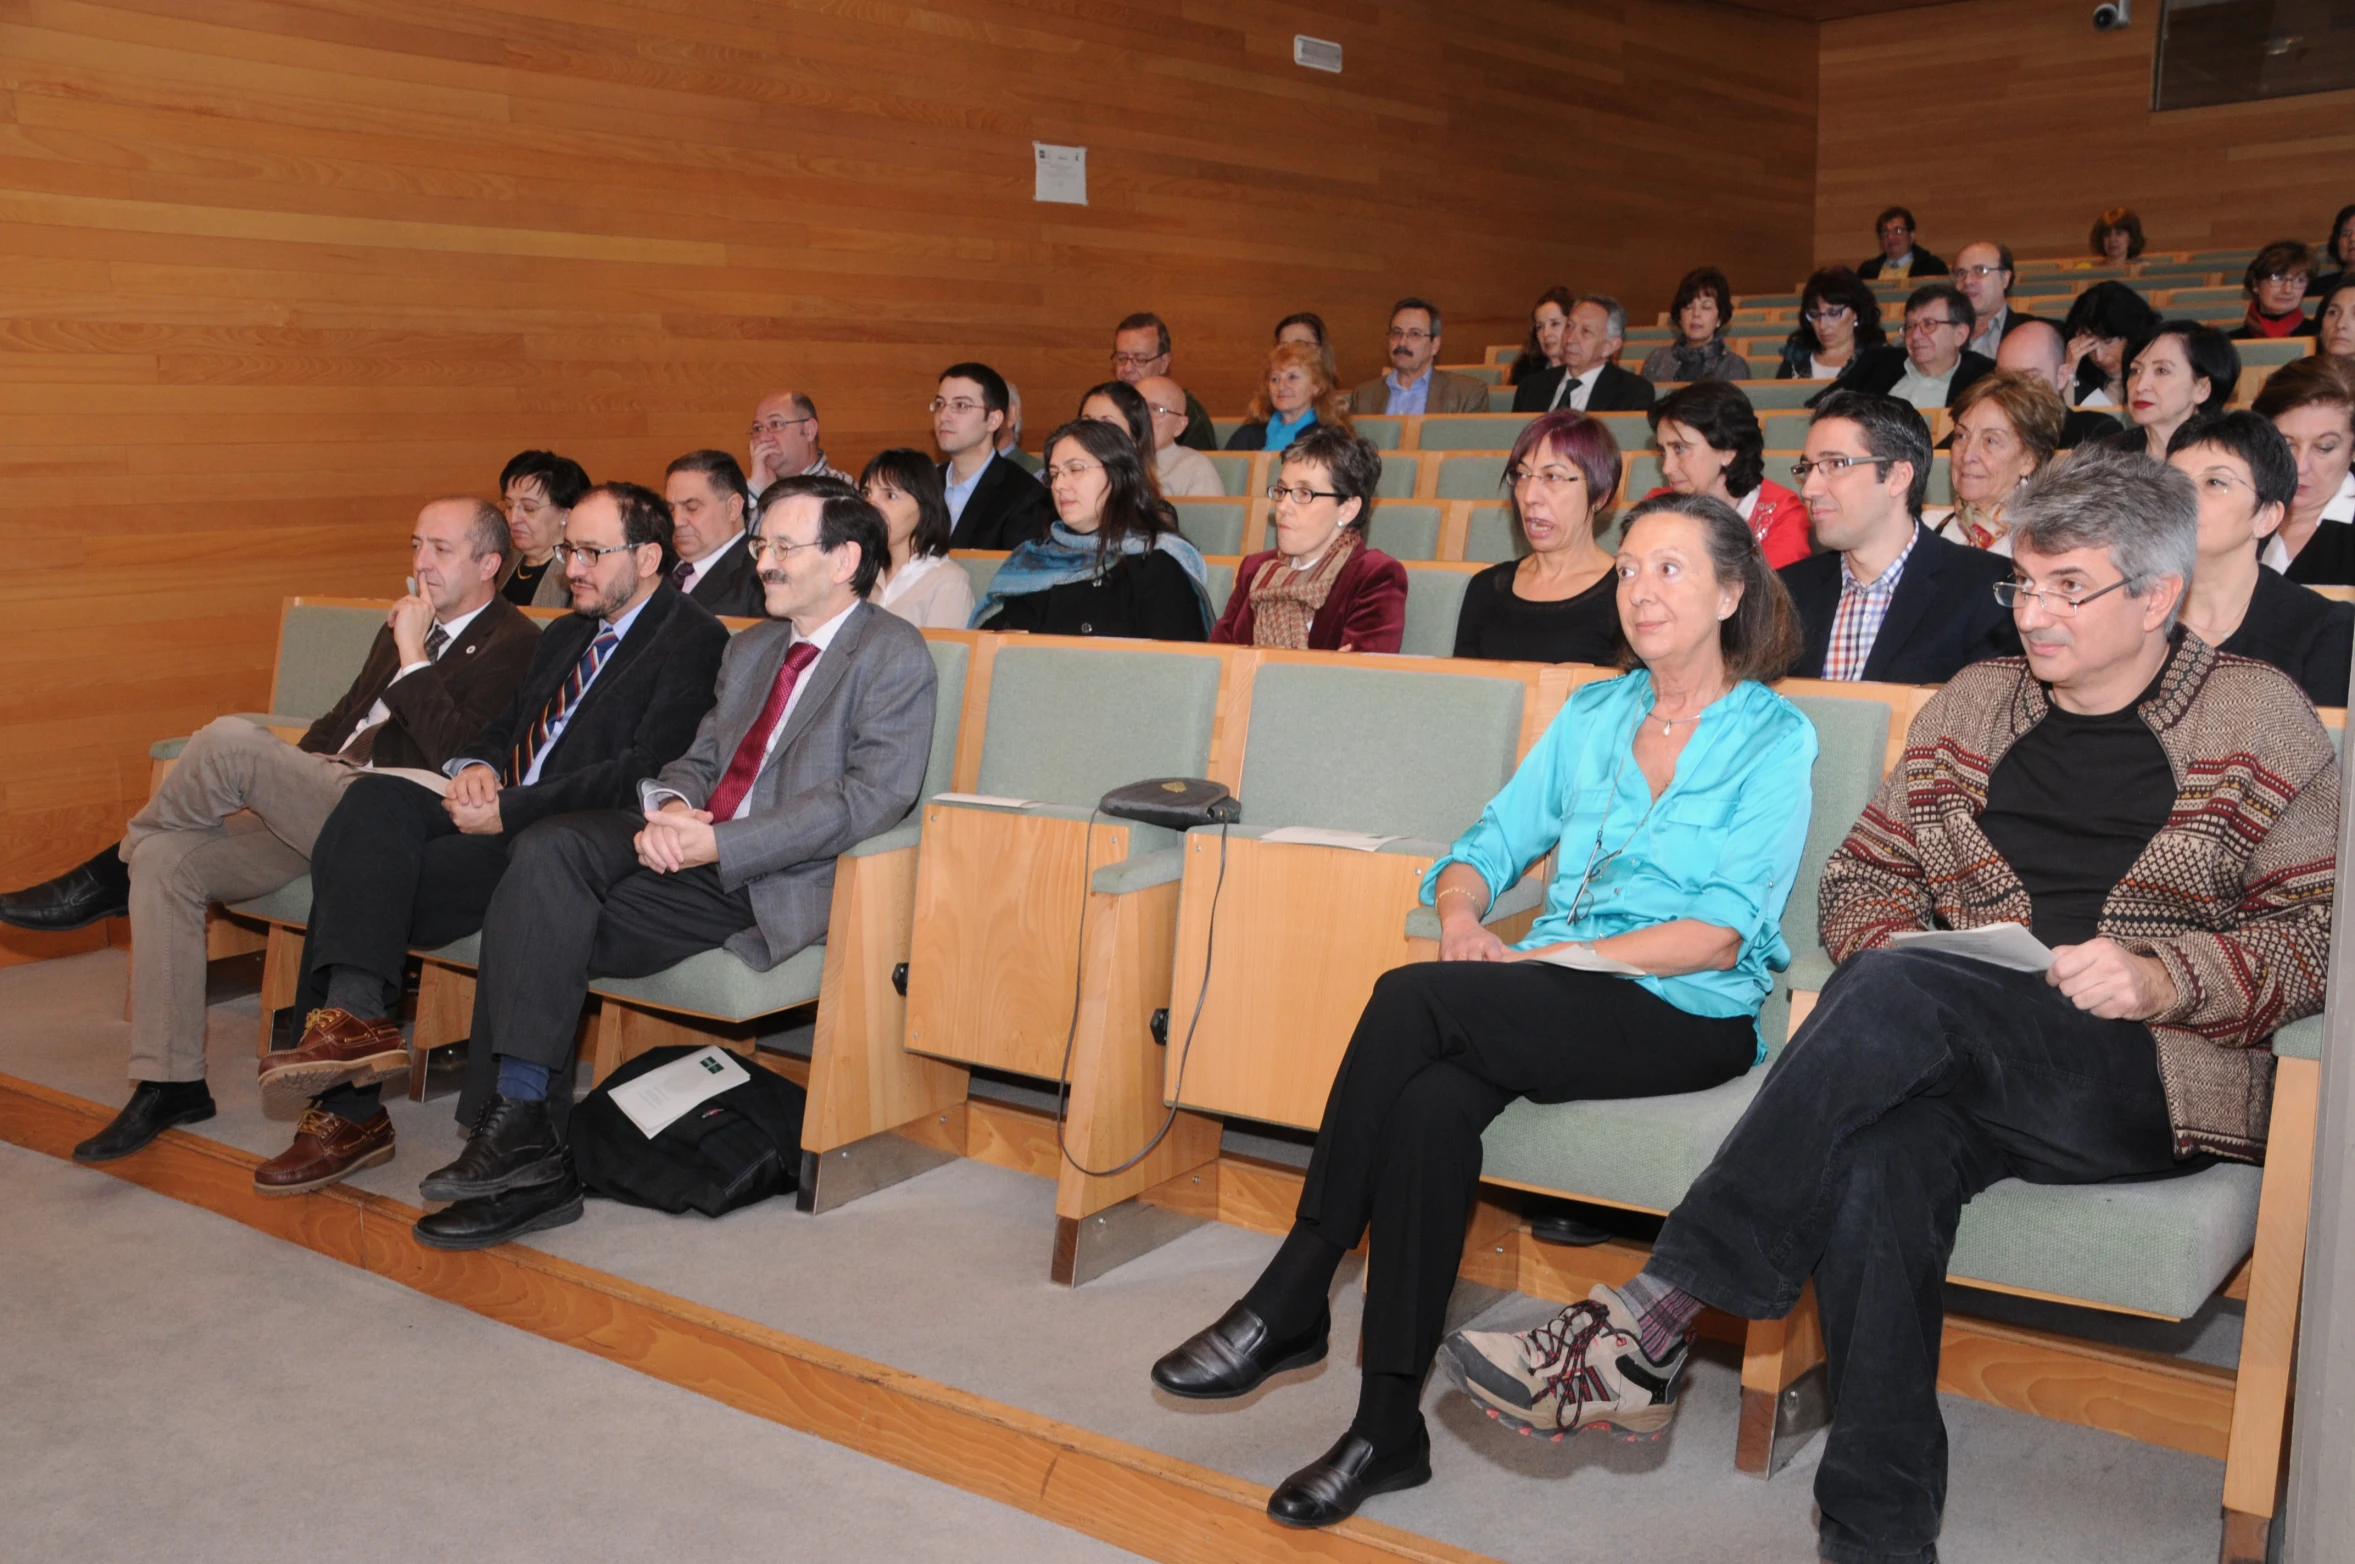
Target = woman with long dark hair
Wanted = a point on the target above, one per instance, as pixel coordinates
(1839, 317)
(2106, 318)
(920, 583)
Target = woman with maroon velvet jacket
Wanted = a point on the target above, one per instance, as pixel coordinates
(1320, 589)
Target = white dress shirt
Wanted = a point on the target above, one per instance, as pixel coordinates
(1576, 390)
(380, 712)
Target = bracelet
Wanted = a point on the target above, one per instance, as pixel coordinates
(1452, 890)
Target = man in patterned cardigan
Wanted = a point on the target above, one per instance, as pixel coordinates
(2163, 817)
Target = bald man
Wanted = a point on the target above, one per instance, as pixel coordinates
(785, 442)
(2035, 348)
(1185, 473)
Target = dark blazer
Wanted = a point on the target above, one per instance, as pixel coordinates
(1924, 265)
(2328, 559)
(1616, 390)
(638, 717)
(1251, 435)
(1879, 369)
(436, 709)
(1365, 610)
(848, 766)
(1007, 509)
(2306, 635)
(732, 586)
(1943, 617)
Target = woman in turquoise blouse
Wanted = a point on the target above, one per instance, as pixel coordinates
(1675, 803)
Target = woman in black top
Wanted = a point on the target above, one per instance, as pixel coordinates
(2097, 329)
(1559, 603)
(2179, 371)
(1113, 563)
(1839, 317)
(2244, 475)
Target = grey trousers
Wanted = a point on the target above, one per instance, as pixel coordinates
(235, 819)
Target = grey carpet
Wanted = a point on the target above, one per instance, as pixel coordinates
(946, 1276)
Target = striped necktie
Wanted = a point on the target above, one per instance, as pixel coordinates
(436, 640)
(552, 716)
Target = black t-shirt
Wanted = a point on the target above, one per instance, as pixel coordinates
(2328, 559)
(2071, 806)
(526, 581)
(1497, 624)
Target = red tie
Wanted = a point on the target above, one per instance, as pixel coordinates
(755, 747)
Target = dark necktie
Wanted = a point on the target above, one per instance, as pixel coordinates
(437, 641)
(681, 574)
(755, 746)
(560, 705)
(362, 744)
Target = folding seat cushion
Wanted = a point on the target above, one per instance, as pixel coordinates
(1398, 476)
(1234, 469)
(1404, 529)
(1069, 724)
(980, 570)
(1473, 431)
(1381, 430)
(1434, 601)
(1219, 526)
(1491, 536)
(1478, 477)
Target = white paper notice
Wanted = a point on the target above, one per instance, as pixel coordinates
(1318, 836)
(984, 800)
(1062, 173)
(1583, 958)
(1997, 944)
(432, 781)
(660, 1098)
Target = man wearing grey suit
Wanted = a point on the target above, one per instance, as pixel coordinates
(818, 741)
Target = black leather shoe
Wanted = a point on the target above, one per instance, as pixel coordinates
(1234, 1356)
(155, 1106)
(100, 888)
(1330, 1488)
(493, 1219)
(514, 1146)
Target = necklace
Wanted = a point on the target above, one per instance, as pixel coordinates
(1668, 724)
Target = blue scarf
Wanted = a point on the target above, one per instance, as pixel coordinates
(1063, 557)
(1282, 431)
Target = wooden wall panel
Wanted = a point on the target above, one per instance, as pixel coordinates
(2015, 120)
(274, 271)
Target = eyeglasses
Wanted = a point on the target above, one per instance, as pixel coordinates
(1833, 466)
(1165, 412)
(762, 548)
(1550, 477)
(569, 552)
(777, 425)
(1829, 312)
(1924, 323)
(1299, 496)
(1409, 335)
(1074, 470)
(2283, 279)
(960, 406)
(1977, 271)
(1136, 360)
(2062, 605)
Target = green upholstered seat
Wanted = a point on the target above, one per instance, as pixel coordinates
(1473, 431)
(1423, 752)
(1382, 430)
(1404, 529)
(2282, 350)
(1434, 601)
(1768, 301)
(1500, 398)
(1491, 537)
(1650, 336)
(1489, 374)
(320, 650)
(1639, 475)
(2174, 298)
(980, 570)
(1764, 394)
(1067, 725)
(1218, 526)
(1221, 574)
(290, 903)
(1223, 430)
(2162, 1247)
(1398, 476)
(1786, 431)
(714, 983)
(1471, 477)
(1234, 469)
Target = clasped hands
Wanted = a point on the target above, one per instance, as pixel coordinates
(677, 837)
(473, 801)
(2110, 981)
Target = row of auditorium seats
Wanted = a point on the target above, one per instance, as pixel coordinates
(974, 912)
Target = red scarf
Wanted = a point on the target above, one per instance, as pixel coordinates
(2275, 325)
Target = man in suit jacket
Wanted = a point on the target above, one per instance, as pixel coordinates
(1933, 369)
(993, 504)
(615, 692)
(1413, 385)
(1894, 602)
(819, 740)
(241, 809)
(1983, 271)
(1900, 256)
(708, 505)
(1589, 378)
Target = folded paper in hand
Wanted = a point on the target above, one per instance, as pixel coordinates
(1998, 944)
(660, 1098)
(1318, 836)
(1583, 958)
(983, 800)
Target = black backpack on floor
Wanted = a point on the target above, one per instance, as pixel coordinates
(741, 1146)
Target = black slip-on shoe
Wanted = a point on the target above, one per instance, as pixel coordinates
(1330, 1488)
(155, 1106)
(1234, 1356)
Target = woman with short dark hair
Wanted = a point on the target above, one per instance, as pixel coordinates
(1112, 563)
(1839, 317)
(919, 582)
(1703, 307)
(2338, 253)
(2117, 235)
(2334, 318)
(1554, 605)
(1321, 588)
(2180, 371)
(2312, 403)
(1710, 443)
(2276, 283)
(2100, 325)
(1673, 805)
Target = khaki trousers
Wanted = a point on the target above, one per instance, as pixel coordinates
(235, 819)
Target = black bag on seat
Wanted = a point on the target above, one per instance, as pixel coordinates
(733, 1149)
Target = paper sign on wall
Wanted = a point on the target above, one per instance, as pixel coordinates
(1062, 173)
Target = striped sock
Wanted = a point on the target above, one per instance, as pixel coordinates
(1662, 1314)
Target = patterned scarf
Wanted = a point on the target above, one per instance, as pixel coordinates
(1983, 528)
(1064, 556)
(1284, 601)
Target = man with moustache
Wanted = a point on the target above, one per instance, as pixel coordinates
(1413, 385)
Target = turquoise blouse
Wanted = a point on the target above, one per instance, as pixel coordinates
(1721, 845)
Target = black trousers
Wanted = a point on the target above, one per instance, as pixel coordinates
(1440, 1051)
(1918, 1081)
(390, 871)
(575, 904)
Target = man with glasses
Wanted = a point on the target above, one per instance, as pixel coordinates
(614, 693)
(818, 741)
(238, 814)
(2163, 823)
(1185, 473)
(1890, 599)
(993, 504)
(1413, 385)
(1933, 369)
(1140, 351)
(1589, 379)
(1983, 271)
(785, 442)
(1900, 256)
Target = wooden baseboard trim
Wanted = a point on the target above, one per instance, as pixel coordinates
(1123, 1494)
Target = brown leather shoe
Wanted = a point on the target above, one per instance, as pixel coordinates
(338, 1049)
(327, 1149)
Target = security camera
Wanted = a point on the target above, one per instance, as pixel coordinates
(2112, 15)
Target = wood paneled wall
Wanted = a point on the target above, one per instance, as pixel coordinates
(274, 271)
(2015, 120)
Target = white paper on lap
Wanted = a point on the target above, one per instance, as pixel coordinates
(1998, 944)
(1318, 836)
(983, 800)
(1583, 958)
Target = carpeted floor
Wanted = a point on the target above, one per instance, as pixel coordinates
(946, 1276)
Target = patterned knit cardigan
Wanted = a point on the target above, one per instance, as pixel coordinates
(2233, 894)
